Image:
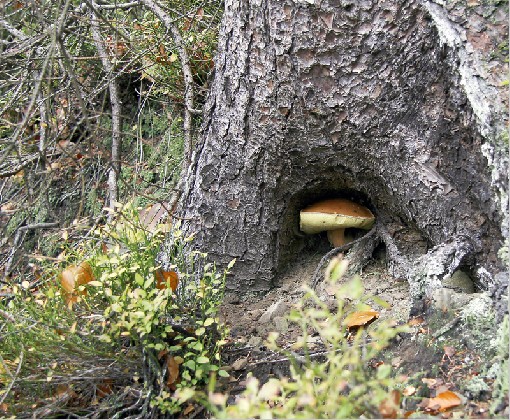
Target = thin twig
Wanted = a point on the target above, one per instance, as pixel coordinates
(6, 315)
(113, 87)
(446, 328)
(189, 108)
(9, 387)
(48, 225)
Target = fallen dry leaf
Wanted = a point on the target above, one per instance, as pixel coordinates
(162, 353)
(240, 364)
(416, 321)
(429, 381)
(331, 289)
(104, 388)
(8, 207)
(173, 370)
(165, 278)
(74, 276)
(390, 406)
(449, 351)
(188, 409)
(396, 362)
(65, 392)
(408, 391)
(442, 402)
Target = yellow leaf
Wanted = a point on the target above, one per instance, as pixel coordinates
(95, 283)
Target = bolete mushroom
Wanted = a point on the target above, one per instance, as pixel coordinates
(334, 216)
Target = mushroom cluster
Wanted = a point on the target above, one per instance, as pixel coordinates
(334, 216)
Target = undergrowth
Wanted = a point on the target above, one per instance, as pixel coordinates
(108, 332)
(346, 380)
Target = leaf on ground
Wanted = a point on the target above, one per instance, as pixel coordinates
(188, 409)
(173, 370)
(390, 406)
(67, 280)
(74, 276)
(408, 391)
(240, 364)
(65, 392)
(416, 321)
(442, 402)
(449, 351)
(104, 388)
(431, 382)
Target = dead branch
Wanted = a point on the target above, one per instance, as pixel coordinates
(188, 79)
(113, 87)
(14, 377)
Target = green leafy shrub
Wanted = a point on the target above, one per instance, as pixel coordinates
(119, 319)
(349, 380)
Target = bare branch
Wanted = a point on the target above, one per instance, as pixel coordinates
(118, 5)
(116, 111)
(188, 77)
(39, 226)
(13, 31)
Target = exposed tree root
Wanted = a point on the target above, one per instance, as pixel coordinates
(317, 276)
(424, 273)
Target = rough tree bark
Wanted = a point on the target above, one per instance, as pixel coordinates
(392, 103)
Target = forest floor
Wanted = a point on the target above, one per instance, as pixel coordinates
(439, 354)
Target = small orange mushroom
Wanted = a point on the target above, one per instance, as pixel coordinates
(360, 319)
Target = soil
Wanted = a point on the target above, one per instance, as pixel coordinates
(435, 356)
(242, 314)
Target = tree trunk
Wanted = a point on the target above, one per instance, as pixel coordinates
(385, 102)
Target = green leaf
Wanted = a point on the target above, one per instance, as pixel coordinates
(116, 307)
(223, 373)
(184, 394)
(200, 331)
(138, 279)
(208, 321)
(202, 359)
(380, 302)
(190, 364)
(383, 371)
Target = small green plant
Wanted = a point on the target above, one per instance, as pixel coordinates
(153, 329)
(350, 381)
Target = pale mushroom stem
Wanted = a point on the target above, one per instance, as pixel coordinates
(336, 237)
